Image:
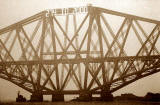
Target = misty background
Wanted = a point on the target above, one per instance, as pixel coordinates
(12, 11)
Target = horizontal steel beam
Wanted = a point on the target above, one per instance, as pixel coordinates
(68, 92)
(71, 52)
(81, 60)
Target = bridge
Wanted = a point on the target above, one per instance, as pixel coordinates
(83, 51)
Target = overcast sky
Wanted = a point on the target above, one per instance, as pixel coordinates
(12, 11)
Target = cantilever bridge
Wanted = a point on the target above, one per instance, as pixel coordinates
(85, 50)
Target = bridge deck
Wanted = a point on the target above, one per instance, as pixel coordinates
(81, 60)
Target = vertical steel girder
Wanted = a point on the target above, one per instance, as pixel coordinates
(73, 52)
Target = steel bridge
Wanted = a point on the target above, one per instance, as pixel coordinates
(84, 50)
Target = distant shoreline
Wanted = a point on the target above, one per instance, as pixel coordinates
(83, 103)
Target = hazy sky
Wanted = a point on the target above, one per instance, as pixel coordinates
(12, 11)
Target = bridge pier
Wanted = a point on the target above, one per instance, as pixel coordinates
(36, 97)
(57, 97)
(85, 96)
(106, 95)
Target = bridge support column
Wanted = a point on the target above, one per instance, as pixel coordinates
(106, 95)
(36, 97)
(85, 96)
(57, 97)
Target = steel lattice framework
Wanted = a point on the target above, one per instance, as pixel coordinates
(76, 50)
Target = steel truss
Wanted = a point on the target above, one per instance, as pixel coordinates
(79, 52)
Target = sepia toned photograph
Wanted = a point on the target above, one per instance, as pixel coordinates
(79, 52)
